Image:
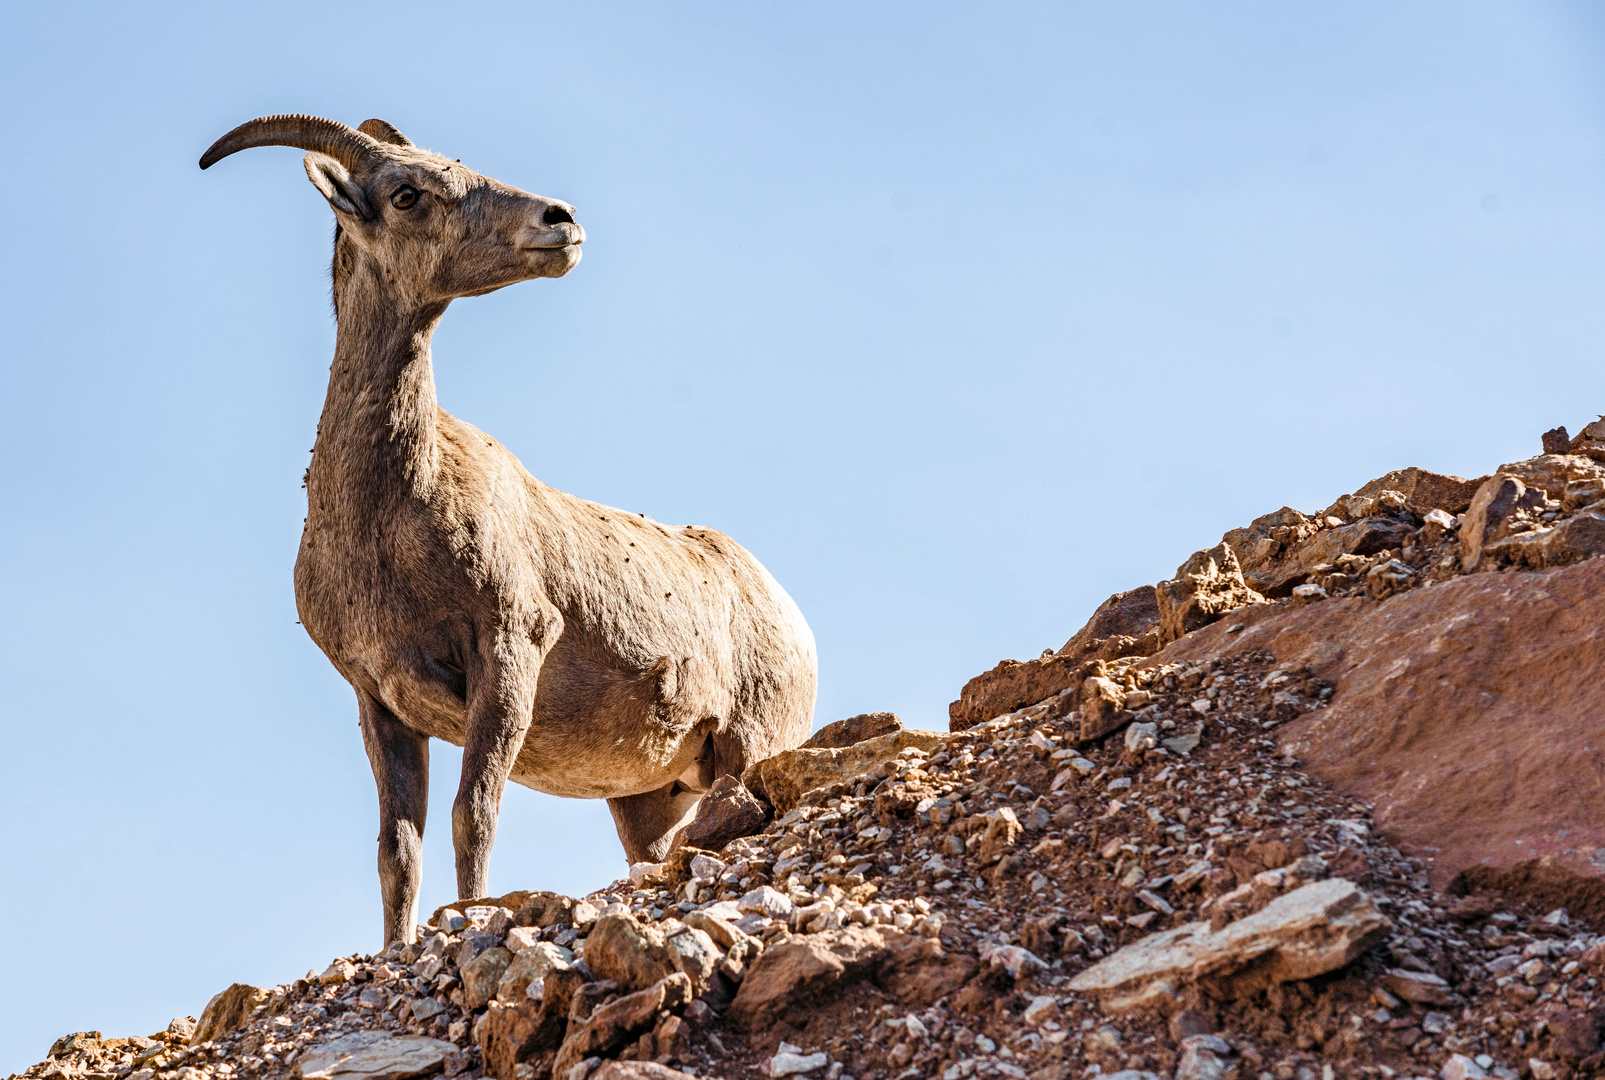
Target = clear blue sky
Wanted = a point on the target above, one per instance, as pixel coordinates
(959, 318)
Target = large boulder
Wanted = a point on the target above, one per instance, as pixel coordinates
(1307, 932)
(1461, 711)
(1423, 491)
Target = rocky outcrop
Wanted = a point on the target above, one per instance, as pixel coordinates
(1126, 624)
(854, 729)
(1011, 684)
(1205, 587)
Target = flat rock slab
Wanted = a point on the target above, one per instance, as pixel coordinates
(1309, 931)
(373, 1055)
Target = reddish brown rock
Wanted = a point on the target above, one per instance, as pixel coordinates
(1492, 509)
(1009, 686)
(1205, 587)
(854, 729)
(727, 812)
(1123, 621)
(1461, 710)
(796, 972)
(611, 1026)
(1103, 708)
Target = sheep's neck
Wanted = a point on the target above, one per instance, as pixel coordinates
(377, 436)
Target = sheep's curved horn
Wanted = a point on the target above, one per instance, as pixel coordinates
(384, 131)
(345, 144)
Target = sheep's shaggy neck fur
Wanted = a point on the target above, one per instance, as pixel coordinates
(571, 647)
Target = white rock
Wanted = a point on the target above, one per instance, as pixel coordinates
(1140, 737)
(768, 902)
(793, 1064)
(640, 871)
(520, 938)
(706, 868)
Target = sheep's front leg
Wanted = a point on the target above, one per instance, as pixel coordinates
(501, 704)
(400, 760)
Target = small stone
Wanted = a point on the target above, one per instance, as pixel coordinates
(1460, 1067)
(426, 1009)
(1421, 987)
(1203, 1057)
(1039, 1010)
(1016, 962)
(338, 972)
(767, 902)
(519, 938)
(1436, 1023)
(693, 952)
(1156, 902)
(706, 868)
(640, 871)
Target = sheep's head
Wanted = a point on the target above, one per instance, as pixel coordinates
(432, 228)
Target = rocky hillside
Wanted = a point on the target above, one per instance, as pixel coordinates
(1326, 803)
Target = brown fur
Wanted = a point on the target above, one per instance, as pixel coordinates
(573, 648)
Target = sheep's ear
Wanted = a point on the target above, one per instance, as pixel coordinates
(331, 178)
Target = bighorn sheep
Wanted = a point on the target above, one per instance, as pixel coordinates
(574, 648)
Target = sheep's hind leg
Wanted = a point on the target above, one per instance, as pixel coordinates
(400, 760)
(648, 822)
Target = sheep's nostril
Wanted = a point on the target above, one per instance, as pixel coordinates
(556, 215)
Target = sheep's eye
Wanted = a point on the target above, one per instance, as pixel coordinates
(403, 198)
